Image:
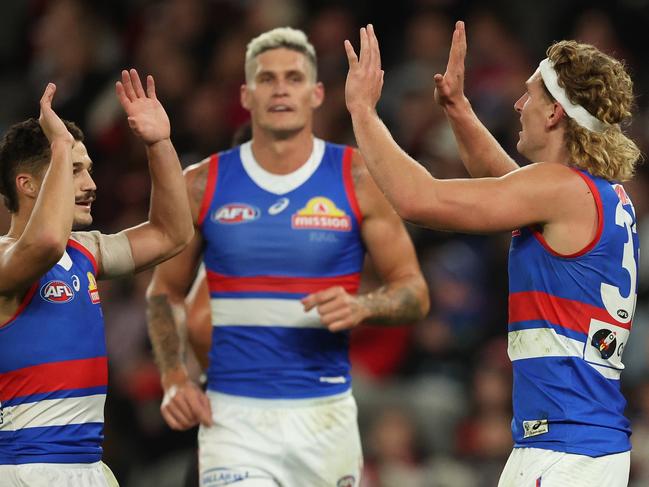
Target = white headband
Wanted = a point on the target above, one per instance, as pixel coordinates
(578, 113)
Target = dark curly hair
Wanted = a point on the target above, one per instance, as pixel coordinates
(601, 85)
(25, 148)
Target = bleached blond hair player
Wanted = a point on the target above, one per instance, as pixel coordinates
(574, 254)
(283, 223)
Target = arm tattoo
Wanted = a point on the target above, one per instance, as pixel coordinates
(164, 334)
(393, 304)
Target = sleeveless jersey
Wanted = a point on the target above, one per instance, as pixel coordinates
(267, 245)
(569, 321)
(53, 374)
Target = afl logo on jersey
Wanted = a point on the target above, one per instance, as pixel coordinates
(57, 292)
(234, 213)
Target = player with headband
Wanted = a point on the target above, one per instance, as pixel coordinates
(573, 260)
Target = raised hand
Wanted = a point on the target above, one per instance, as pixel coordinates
(449, 87)
(52, 125)
(146, 116)
(365, 76)
(338, 309)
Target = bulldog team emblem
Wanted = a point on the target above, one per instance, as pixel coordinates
(321, 213)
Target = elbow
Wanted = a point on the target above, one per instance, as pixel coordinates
(423, 296)
(413, 211)
(187, 237)
(179, 241)
(51, 247)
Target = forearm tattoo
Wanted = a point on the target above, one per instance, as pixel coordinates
(164, 334)
(392, 305)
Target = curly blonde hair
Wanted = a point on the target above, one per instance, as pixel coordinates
(603, 87)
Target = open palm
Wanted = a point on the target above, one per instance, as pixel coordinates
(146, 116)
(449, 87)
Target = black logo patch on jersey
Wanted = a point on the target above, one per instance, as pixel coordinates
(605, 342)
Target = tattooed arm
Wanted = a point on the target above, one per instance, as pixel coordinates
(403, 298)
(184, 404)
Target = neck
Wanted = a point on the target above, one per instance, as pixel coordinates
(554, 150)
(282, 156)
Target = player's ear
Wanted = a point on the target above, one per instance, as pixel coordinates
(555, 116)
(318, 95)
(244, 93)
(28, 185)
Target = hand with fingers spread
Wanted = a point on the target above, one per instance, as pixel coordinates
(449, 87)
(338, 309)
(50, 122)
(365, 76)
(184, 404)
(146, 116)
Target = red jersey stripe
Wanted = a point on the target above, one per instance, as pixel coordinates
(76, 245)
(349, 184)
(574, 315)
(600, 224)
(55, 376)
(26, 300)
(209, 188)
(280, 284)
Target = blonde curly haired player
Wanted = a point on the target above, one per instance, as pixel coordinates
(573, 261)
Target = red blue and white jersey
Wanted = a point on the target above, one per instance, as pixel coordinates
(569, 322)
(270, 240)
(53, 373)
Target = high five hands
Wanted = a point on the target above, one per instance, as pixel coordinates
(449, 87)
(146, 116)
(365, 76)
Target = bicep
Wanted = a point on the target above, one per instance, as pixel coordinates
(520, 198)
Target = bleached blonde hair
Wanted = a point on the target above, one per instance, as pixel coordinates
(285, 37)
(601, 85)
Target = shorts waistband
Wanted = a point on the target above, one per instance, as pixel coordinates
(277, 403)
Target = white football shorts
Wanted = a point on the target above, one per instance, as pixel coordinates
(535, 467)
(287, 443)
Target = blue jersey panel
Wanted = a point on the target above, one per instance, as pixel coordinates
(569, 322)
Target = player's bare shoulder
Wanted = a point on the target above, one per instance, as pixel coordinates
(370, 198)
(196, 177)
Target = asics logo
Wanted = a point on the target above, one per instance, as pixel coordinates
(279, 206)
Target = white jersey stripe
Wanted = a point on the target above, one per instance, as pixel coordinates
(54, 412)
(263, 312)
(545, 342)
(542, 342)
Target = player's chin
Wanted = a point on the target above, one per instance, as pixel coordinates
(81, 221)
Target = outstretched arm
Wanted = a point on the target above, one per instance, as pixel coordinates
(169, 227)
(480, 151)
(43, 241)
(536, 194)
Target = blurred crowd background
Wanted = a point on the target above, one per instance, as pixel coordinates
(434, 397)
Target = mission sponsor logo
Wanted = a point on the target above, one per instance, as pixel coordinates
(321, 213)
(93, 292)
(57, 292)
(235, 213)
